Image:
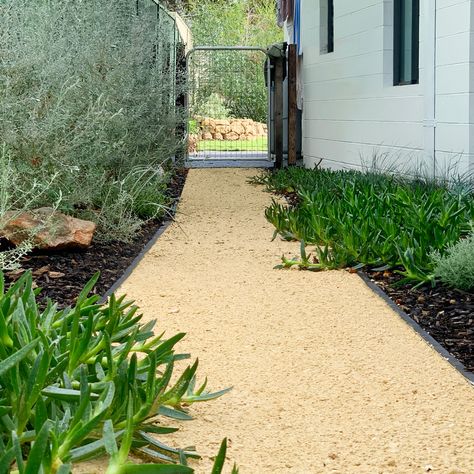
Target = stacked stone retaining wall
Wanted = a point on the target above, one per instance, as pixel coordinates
(232, 129)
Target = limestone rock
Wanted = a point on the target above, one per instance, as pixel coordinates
(49, 229)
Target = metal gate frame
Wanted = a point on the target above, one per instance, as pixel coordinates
(268, 163)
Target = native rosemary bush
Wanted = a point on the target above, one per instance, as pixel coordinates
(456, 267)
(87, 93)
(15, 198)
(85, 381)
(374, 219)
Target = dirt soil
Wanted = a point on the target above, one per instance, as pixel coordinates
(327, 378)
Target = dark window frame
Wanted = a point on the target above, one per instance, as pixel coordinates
(330, 26)
(397, 43)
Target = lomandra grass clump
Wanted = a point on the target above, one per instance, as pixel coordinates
(87, 94)
(87, 381)
(370, 219)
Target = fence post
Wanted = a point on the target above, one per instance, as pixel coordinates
(292, 105)
(278, 112)
(181, 115)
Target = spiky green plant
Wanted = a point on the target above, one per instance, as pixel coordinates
(370, 219)
(81, 382)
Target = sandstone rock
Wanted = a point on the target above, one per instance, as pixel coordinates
(49, 229)
(222, 123)
(232, 136)
(222, 129)
(208, 122)
(192, 143)
(238, 128)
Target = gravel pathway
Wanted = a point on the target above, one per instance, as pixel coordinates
(327, 378)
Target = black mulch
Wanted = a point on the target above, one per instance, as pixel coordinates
(446, 314)
(61, 276)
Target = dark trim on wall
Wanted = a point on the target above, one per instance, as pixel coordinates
(330, 26)
(398, 15)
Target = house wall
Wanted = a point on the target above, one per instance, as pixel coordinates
(353, 112)
(454, 83)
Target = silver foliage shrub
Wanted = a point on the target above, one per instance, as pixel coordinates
(456, 267)
(87, 92)
(15, 199)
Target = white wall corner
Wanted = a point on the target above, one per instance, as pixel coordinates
(470, 164)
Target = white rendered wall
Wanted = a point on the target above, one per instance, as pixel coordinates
(352, 111)
(454, 84)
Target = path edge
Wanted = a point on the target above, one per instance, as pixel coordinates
(432, 342)
(136, 261)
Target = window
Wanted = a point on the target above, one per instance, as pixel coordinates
(326, 10)
(406, 27)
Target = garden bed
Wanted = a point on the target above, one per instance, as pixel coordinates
(63, 275)
(354, 224)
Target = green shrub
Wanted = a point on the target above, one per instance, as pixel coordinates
(86, 381)
(213, 107)
(16, 198)
(193, 127)
(456, 267)
(124, 205)
(370, 218)
(87, 95)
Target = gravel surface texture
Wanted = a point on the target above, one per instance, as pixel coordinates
(327, 378)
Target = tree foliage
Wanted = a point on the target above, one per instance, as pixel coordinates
(238, 78)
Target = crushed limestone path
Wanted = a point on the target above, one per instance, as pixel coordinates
(327, 378)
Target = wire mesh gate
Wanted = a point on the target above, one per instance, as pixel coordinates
(227, 107)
